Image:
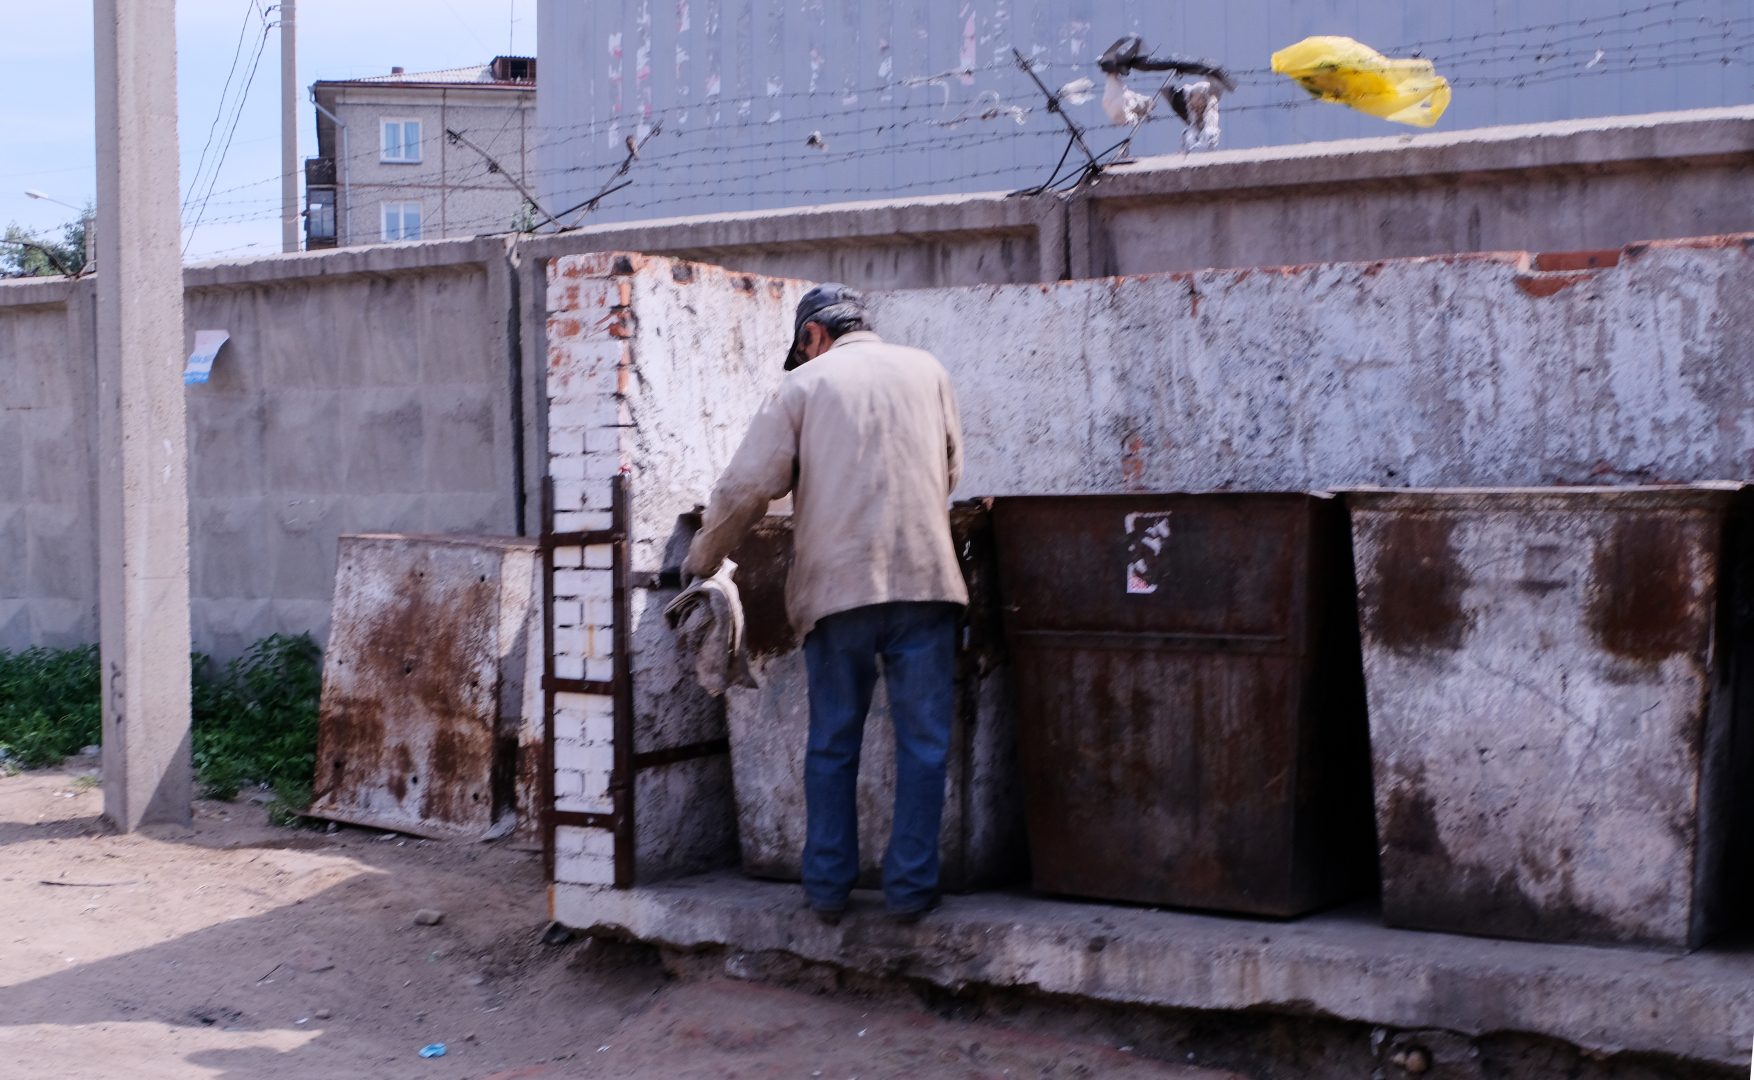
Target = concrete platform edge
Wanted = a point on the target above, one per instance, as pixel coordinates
(1341, 964)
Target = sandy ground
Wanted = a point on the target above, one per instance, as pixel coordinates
(238, 949)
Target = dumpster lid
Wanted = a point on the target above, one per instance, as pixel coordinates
(1706, 493)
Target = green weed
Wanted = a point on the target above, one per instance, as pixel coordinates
(50, 705)
(254, 720)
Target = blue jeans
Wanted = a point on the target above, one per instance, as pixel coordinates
(917, 641)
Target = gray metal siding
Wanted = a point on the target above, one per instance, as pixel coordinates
(740, 85)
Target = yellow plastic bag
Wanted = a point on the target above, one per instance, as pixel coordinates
(1345, 71)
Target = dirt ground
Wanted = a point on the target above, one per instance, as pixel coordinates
(239, 949)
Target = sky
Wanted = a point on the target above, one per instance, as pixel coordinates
(48, 128)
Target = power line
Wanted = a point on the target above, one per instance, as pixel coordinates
(231, 130)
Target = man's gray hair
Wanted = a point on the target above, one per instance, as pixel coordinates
(842, 318)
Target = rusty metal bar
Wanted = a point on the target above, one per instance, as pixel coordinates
(621, 780)
(583, 820)
(546, 810)
(651, 759)
(580, 539)
(577, 686)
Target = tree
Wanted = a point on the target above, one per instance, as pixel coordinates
(25, 255)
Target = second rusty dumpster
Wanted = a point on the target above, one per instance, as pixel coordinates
(1554, 722)
(1190, 708)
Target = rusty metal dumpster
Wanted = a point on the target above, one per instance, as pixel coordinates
(431, 722)
(1552, 707)
(981, 841)
(1190, 707)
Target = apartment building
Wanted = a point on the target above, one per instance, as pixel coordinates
(421, 155)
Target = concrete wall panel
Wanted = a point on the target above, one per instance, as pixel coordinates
(48, 404)
(1431, 372)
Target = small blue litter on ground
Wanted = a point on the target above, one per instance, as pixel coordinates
(435, 1050)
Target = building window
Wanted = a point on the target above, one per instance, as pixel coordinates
(401, 221)
(319, 217)
(401, 140)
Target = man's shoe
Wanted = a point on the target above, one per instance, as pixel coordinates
(830, 916)
(908, 918)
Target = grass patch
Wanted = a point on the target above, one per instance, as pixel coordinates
(255, 722)
(50, 705)
(254, 719)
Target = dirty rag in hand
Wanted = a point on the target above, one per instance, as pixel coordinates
(708, 619)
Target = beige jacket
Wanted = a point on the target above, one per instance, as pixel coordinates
(868, 440)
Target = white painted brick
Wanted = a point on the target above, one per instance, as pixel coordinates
(599, 584)
(569, 613)
(584, 870)
(599, 556)
(599, 670)
(598, 643)
(598, 495)
(572, 641)
(599, 842)
(598, 411)
(567, 782)
(591, 796)
(599, 709)
(600, 730)
(572, 755)
(569, 726)
(599, 758)
(583, 521)
(581, 383)
(580, 353)
(596, 788)
(602, 466)
(569, 558)
(598, 611)
(605, 440)
(567, 468)
(567, 442)
(569, 495)
(569, 667)
(580, 705)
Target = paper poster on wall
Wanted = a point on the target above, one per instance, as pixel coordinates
(200, 365)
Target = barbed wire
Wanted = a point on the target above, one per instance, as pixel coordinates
(693, 158)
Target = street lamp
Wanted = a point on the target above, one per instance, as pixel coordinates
(33, 193)
(85, 220)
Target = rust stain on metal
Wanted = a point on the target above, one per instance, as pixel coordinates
(1548, 261)
(1545, 285)
(410, 737)
(1189, 698)
(1645, 601)
(764, 559)
(1412, 601)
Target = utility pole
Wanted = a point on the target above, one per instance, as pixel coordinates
(289, 125)
(143, 496)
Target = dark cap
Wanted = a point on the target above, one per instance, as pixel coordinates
(826, 295)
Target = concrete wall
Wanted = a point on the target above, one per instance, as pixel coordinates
(1566, 186)
(924, 99)
(48, 499)
(361, 391)
(1570, 186)
(1448, 371)
(398, 388)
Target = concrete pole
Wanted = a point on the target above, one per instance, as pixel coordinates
(289, 125)
(143, 501)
